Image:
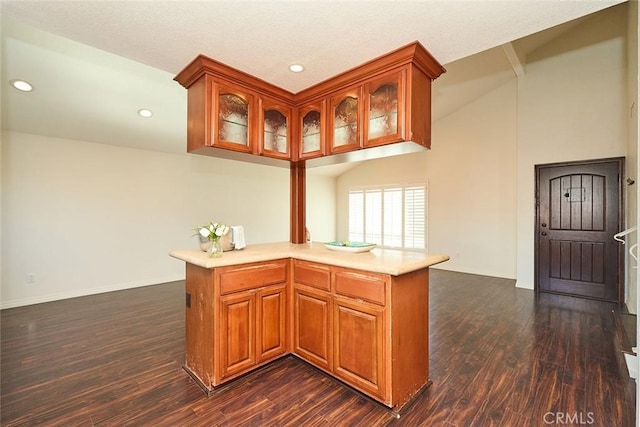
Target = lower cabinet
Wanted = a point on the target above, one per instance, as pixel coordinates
(312, 326)
(252, 326)
(236, 319)
(370, 330)
(338, 329)
(359, 346)
(271, 322)
(237, 333)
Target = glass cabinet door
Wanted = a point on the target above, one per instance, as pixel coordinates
(312, 130)
(275, 132)
(274, 129)
(384, 109)
(233, 118)
(345, 121)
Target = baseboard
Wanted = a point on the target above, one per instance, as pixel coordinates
(84, 292)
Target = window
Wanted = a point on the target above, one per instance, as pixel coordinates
(390, 216)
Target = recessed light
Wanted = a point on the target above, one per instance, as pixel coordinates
(22, 85)
(146, 113)
(296, 68)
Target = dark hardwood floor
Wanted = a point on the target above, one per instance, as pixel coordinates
(499, 356)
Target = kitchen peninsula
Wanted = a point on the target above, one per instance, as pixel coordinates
(362, 318)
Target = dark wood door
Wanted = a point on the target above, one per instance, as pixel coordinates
(579, 209)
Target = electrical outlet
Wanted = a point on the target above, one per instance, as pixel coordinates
(31, 278)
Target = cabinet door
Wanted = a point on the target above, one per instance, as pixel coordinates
(345, 121)
(275, 129)
(271, 322)
(312, 326)
(359, 346)
(312, 130)
(237, 333)
(233, 118)
(384, 109)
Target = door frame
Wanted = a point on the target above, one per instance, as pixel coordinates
(621, 220)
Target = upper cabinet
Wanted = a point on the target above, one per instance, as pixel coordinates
(275, 129)
(235, 115)
(312, 137)
(345, 120)
(384, 101)
(233, 118)
(368, 115)
(384, 109)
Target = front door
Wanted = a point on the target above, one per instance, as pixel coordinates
(578, 212)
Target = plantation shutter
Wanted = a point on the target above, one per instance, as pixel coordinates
(393, 217)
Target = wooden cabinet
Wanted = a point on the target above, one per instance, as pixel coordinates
(369, 330)
(312, 313)
(384, 109)
(236, 319)
(377, 328)
(274, 129)
(345, 120)
(370, 114)
(271, 322)
(312, 326)
(252, 328)
(252, 315)
(341, 324)
(220, 115)
(312, 127)
(362, 352)
(236, 348)
(384, 101)
(374, 113)
(233, 117)
(360, 348)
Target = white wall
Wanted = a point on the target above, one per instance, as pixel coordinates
(571, 106)
(472, 176)
(470, 173)
(86, 218)
(321, 207)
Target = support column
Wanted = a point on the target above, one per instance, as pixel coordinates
(298, 202)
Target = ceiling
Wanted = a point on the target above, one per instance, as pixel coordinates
(93, 64)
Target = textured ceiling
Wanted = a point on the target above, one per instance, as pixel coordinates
(94, 63)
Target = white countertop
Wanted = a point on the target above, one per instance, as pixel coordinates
(378, 260)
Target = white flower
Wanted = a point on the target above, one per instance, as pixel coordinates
(221, 230)
(213, 230)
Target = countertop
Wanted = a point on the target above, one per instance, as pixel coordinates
(378, 260)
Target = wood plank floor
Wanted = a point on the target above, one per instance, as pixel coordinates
(499, 356)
